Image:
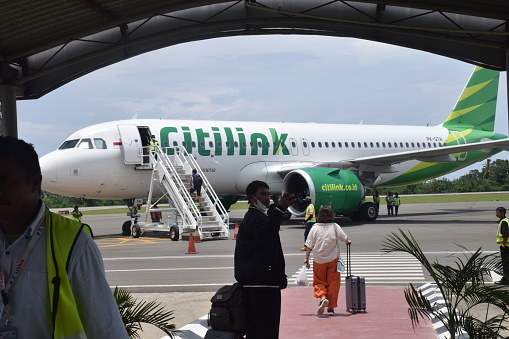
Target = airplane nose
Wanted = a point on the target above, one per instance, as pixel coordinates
(49, 172)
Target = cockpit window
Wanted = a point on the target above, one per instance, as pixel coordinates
(99, 143)
(69, 144)
(85, 144)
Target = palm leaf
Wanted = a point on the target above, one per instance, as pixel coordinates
(135, 313)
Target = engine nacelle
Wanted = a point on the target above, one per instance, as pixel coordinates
(337, 188)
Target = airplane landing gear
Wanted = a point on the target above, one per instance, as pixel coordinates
(136, 231)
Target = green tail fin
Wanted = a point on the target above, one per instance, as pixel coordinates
(477, 104)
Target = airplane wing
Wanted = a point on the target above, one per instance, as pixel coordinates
(441, 154)
(369, 168)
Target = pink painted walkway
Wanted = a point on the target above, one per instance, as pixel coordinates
(386, 316)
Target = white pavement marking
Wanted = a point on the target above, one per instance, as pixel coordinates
(380, 269)
(495, 276)
(172, 269)
(174, 285)
(435, 297)
(196, 329)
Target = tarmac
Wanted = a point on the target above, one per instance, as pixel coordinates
(386, 316)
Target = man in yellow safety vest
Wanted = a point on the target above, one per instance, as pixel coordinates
(153, 146)
(396, 202)
(52, 278)
(309, 221)
(76, 214)
(502, 236)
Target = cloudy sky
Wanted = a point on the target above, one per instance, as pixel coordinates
(260, 78)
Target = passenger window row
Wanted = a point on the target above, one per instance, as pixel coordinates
(320, 144)
(376, 144)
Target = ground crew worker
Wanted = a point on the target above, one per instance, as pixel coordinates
(53, 266)
(309, 221)
(390, 203)
(153, 146)
(76, 215)
(502, 236)
(396, 202)
(155, 215)
(153, 143)
(376, 200)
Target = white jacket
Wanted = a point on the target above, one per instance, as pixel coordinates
(322, 241)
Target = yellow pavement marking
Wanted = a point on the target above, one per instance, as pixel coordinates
(122, 241)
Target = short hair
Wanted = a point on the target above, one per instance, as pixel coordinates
(195, 171)
(501, 209)
(22, 152)
(325, 215)
(253, 187)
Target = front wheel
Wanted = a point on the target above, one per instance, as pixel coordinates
(136, 231)
(174, 233)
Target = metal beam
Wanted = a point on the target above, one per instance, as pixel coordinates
(9, 112)
(8, 89)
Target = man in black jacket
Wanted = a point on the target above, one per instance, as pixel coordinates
(259, 260)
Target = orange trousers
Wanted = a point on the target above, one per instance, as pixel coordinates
(326, 281)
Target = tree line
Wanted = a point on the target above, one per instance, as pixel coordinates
(494, 176)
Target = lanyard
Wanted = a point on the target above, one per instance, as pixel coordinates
(21, 263)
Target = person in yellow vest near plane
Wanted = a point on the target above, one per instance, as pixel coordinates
(76, 214)
(389, 199)
(309, 221)
(153, 145)
(502, 236)
(396, 202)
(52, 282)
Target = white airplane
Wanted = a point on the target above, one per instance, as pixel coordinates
(333, 164)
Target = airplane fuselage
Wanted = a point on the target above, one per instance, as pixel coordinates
(101, 164)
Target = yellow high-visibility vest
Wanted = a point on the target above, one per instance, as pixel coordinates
(61, 234)
(153, 145)
(500, 237)
(310, 210)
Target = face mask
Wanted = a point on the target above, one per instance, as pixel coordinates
(261, 207)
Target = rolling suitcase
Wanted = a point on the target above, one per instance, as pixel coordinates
(355, 288)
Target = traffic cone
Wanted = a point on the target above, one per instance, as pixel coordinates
(196, 235)
(190, 248)
(236, 231)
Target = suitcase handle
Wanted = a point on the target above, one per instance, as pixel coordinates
(348, 268)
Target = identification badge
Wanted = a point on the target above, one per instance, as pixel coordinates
(8, 332)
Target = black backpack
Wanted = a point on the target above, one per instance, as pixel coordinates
(228, 312)
(198, 181)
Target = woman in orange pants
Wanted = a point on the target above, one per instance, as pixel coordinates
(323, 242)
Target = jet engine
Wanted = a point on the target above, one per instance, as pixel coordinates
(340, 189)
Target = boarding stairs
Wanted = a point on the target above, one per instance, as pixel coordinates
(171, 172)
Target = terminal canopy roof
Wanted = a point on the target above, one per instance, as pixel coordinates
(46, 43)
